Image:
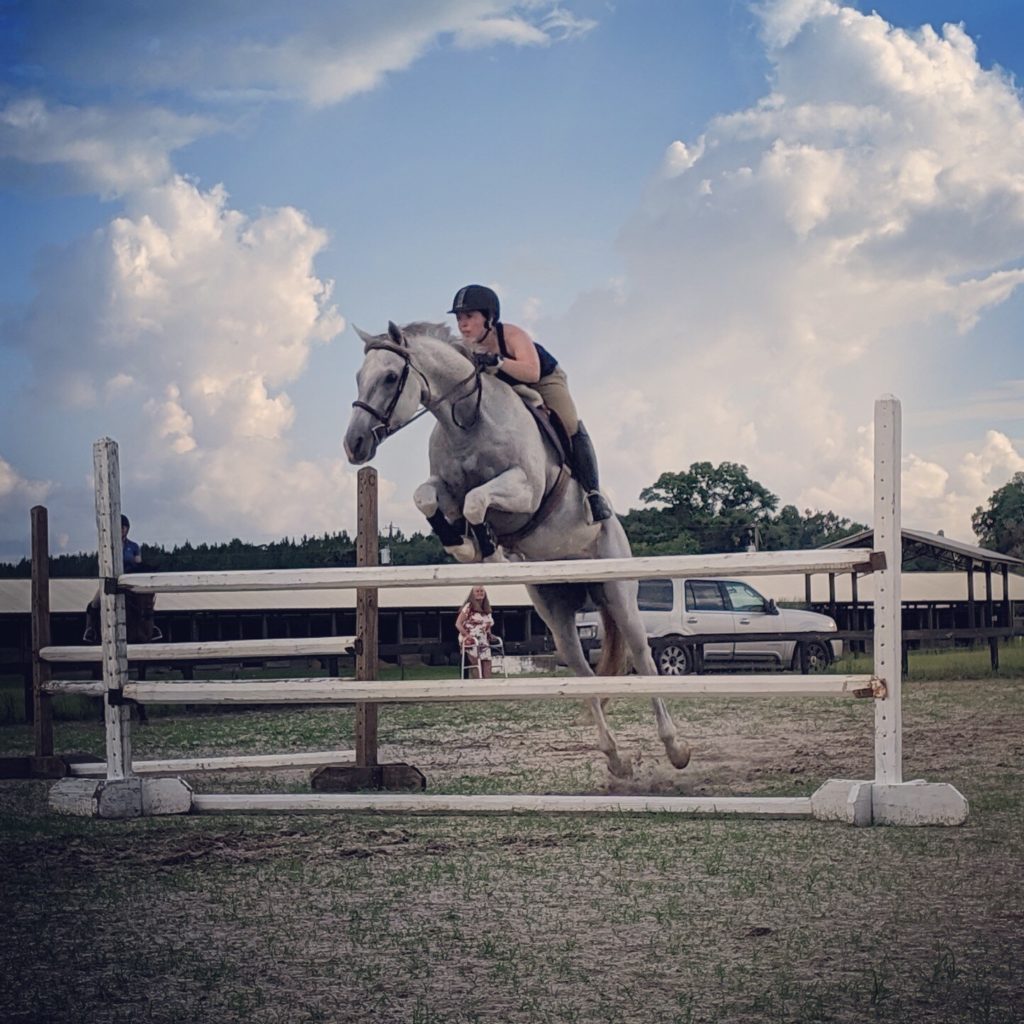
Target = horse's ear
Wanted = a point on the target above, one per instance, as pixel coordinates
(396, 333)
(363, 336)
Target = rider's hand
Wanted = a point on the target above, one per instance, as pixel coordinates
(488, 362)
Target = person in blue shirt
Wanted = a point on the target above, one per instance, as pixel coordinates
(132, 563)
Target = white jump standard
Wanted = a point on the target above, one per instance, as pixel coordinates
(887, 799)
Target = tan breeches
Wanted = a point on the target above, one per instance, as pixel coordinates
(554, 390)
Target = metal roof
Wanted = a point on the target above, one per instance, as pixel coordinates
(958, 548)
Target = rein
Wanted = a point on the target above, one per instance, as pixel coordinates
(384, 428)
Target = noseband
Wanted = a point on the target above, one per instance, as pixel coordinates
(384, 428)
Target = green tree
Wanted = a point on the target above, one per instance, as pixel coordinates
(706, 508)
(1000, 527)
(710, 509)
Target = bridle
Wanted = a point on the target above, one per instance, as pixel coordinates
(384, 427)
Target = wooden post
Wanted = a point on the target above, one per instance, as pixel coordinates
(855, 605)
(367, 665)
(990, 618)
(117, 716)
(888, 645)
(972, 613)
(42, 709)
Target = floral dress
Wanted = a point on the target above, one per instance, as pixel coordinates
(478, 628)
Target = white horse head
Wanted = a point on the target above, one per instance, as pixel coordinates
(389, 393)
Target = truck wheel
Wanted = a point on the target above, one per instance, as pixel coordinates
(673, 658)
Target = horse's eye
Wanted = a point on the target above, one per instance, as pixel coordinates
(390, 378)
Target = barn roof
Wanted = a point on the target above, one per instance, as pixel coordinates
(956, 553)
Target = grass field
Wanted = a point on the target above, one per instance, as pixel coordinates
(531, 918)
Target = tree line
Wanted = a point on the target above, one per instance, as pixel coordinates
(702, 510)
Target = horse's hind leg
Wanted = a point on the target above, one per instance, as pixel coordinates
(620, 601)
(557, 608)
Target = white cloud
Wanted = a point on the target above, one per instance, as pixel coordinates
(176, 330)
(321, 51)
(105, 150)
(808, 254)
(15, 487)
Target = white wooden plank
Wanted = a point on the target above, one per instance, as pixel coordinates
(76, 687)
(732, 564)
(294, 647)
(329, 691)
(887, 641)
(401, 803)
(236, 763)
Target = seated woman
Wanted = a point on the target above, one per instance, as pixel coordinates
(474, 625)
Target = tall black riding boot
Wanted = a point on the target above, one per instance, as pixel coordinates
(584, 465)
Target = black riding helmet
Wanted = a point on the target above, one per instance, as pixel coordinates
(480, 298)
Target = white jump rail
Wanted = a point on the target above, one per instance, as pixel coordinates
(238, 763)
(420, 691)
(762, 563)
(399, 803)
(209, 650)
(886, 799)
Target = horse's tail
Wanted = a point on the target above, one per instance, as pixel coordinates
(613, 650)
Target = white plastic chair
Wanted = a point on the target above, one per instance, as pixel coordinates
(497, 660)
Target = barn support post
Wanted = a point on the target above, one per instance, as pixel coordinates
(990, 618)
(42, 707)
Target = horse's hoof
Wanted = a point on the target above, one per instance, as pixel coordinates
(464, 552)
(620, 767)
(679, 755)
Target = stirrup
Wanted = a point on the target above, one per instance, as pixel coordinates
(599, 507)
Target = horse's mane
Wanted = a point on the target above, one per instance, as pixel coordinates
(439, 331)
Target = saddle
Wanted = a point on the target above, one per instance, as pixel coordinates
(554, 433)
(551, 428)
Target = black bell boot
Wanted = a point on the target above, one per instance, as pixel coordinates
(584, 466)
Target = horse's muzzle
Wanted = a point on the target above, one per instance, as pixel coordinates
(360, 446)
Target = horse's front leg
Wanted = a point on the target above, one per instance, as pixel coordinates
(508, 492)
(438, 504)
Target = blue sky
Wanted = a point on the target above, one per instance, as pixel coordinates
(736, 225)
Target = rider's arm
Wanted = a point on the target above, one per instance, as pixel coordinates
(522, 361)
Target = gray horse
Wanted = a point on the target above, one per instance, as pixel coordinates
(497, 489)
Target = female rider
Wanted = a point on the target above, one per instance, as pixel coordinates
(516, 358)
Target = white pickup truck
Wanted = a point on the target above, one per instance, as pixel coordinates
(672, 610)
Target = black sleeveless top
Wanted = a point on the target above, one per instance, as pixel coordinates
(548, 363)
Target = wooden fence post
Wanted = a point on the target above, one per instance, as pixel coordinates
(367, 662)
(42, 708)
(117, 716)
